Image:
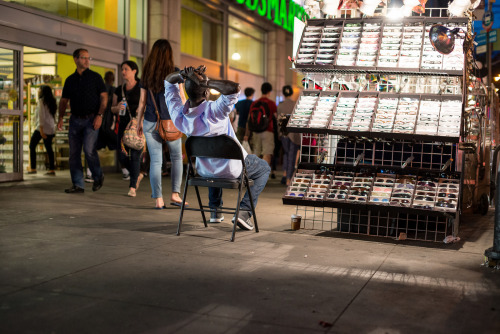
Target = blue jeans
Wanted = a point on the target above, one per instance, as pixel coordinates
(258, 170)
(155, 149)
(82, 134)
(289, 156)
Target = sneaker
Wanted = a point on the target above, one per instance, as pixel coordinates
(89, 179)
(126, 176)
(245, 220)
(216, 217)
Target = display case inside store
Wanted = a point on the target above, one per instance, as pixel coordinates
(381, 129)
(10, 143)
(31, 99)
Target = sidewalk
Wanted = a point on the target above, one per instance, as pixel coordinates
(102, 262)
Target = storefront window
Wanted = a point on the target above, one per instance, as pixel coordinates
(109, 15)
(246, 46)
(201, 30)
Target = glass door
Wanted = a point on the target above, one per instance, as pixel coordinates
(11, 113)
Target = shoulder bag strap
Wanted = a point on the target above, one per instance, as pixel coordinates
(125, 97)
(154, 103)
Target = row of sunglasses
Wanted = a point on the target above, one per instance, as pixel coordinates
(401, 191)
(368, 44)
(368, 113)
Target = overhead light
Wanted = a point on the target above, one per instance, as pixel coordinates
(236, 56)
(497, 78)
(442, 38)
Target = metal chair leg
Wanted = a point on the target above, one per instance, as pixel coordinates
(251, 205)
(183, 202)
(236, 214)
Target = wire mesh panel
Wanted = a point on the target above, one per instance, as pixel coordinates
(394, 225)
(400, 154)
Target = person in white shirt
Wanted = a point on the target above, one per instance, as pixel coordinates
(201, 117)
(45, 128)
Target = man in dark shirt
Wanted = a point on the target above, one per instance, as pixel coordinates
(86, 92)
(242, 108)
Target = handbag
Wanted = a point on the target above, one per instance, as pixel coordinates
(165, 127)
(130, 137)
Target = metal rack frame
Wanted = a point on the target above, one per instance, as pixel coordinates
(402, 153)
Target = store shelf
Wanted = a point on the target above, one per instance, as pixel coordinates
(376, 135)
(306, 69)
(368, 207)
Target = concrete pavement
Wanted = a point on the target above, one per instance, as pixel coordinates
(106, 263)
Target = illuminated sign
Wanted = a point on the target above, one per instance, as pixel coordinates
(276, 11)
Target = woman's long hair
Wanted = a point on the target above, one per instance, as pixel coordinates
(48, 99)
(158, 65)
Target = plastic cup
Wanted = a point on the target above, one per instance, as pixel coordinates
(295, 220)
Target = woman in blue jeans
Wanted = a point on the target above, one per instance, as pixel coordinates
(157, 66)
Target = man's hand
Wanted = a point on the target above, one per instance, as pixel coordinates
(60, 124)
(97, 122)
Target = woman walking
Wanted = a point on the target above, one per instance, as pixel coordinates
(129, 95)
(157, 66)
(45, 128)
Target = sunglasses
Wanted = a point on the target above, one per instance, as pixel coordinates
(423, 206)
(319, 186)
(342, 183)
(315, 195)
(357, 198)
(296, 194)
(401, 195)
(445, 205)
(359, 193)
(399, 202)
(404, 186)
(380, 199)
(321, 179)
(424, 198)
(447, 195)
(337, 196)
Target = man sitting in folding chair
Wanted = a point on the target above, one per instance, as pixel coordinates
(201, 117)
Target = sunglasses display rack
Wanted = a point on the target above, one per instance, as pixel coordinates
(375, 44)
(382, 127)
(378, 115)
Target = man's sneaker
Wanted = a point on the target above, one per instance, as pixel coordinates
(245, 220)
(126, 176)
(216, 217)
(89, 179)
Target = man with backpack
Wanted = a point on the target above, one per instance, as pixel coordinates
(261, 118)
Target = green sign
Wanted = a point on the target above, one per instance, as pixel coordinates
(281, 12)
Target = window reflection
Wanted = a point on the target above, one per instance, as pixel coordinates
(97, 13)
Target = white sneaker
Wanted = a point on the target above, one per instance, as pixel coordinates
(216, 217)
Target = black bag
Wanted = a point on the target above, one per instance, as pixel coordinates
(282, 122)
(258, 117)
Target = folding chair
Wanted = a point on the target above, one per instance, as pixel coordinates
(222, 147)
